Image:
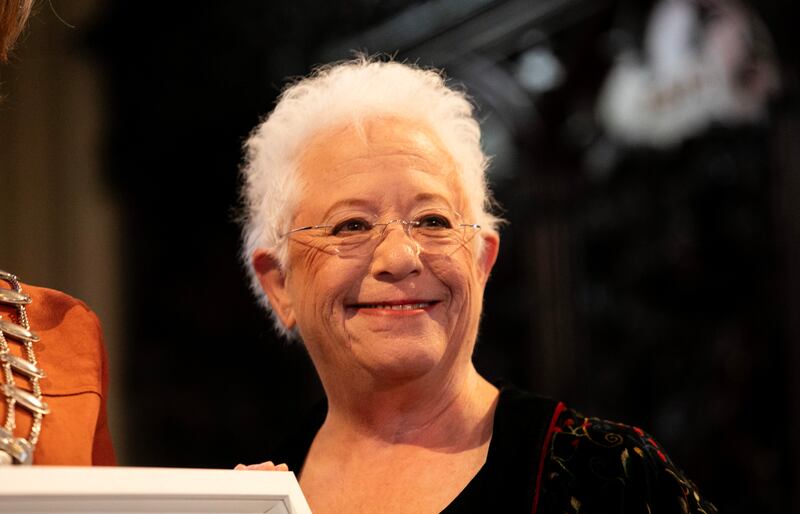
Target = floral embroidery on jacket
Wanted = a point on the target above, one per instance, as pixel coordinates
(602, 467)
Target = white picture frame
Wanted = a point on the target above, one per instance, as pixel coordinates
(130, 490)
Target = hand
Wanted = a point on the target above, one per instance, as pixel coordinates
(264, 466)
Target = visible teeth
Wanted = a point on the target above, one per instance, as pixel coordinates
(401, 307)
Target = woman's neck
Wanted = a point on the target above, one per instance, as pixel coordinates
(448, 414)
(412, 450)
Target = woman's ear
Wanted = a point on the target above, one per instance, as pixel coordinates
(491, 246)
(273, 282)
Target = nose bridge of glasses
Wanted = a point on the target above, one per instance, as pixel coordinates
(383, 228)
(383, 231)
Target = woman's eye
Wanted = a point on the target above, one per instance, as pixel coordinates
(351, 226)
(434, 221)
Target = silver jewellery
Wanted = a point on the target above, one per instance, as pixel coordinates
(19, 450)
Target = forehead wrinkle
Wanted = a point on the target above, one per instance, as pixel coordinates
(377, 136)
(367, 164)
(331, 175)
(419, 198)
(450, 194)
(338, 156)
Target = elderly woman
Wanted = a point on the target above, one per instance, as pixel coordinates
(369, 236)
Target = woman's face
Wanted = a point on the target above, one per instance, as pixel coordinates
(399, 311)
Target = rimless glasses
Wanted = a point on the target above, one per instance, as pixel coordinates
(435, 230)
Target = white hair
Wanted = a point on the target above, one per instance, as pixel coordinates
(343, 93)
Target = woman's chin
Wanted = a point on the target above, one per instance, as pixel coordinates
(398, 361)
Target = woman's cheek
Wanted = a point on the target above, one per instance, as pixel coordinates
(332, 279)
(452, 273)
(459, 273)
(306, 283)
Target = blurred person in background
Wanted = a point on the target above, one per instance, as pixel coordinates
(13, 15)
(53, 369)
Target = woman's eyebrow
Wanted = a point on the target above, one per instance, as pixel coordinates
(369, 204)
(348, 202)
(431, 197)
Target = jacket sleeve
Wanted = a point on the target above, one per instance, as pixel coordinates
(102, 447)
(599, 466)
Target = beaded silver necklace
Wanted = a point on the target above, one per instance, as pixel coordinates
(17, 449)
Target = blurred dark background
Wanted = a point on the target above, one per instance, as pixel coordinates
(652, 281)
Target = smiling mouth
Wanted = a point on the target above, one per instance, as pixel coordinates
(395, 306)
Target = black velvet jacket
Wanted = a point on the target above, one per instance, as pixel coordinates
(545, 458)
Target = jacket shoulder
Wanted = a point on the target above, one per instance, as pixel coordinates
(600, 466)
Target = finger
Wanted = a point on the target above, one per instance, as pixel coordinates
(264, 466)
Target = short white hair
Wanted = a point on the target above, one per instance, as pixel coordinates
(343, 93)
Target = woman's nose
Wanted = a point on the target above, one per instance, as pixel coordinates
(397, 255)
